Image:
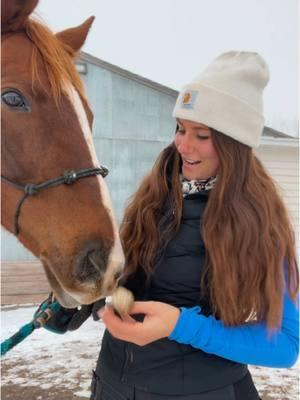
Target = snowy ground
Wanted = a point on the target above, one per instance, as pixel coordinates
(58, 367)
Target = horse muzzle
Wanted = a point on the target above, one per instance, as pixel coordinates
(93, 273)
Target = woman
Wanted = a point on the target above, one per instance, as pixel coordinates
(210, 255)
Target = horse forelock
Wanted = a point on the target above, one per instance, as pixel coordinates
(57, 58)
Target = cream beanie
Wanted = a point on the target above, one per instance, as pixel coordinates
(227, 96)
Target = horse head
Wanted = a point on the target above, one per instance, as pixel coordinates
(46, 130)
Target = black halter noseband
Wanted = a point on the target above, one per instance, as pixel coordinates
(67, 178)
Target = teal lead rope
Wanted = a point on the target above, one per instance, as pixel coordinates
(43, 314)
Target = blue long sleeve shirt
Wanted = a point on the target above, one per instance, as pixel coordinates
(249, 343)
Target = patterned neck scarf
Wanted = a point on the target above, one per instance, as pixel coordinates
(195, 186)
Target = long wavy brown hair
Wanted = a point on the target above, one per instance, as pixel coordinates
(246, 231)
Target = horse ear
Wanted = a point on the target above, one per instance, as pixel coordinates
(14, 13)
(75, 37)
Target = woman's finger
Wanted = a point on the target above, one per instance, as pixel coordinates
(144, 307)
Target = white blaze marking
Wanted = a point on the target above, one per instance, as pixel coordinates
(116, 258)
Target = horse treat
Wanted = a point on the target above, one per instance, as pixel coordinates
(122, 301)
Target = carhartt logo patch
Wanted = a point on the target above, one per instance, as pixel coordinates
(188, 99)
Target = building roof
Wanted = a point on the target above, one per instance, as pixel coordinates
(273, 133)
(127, 74)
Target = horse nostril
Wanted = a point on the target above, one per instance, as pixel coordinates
(91, 262)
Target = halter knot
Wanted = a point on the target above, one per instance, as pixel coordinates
(30, 189)
(105, 171)
(69, 177)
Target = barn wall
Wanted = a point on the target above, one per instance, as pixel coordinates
(133, 123)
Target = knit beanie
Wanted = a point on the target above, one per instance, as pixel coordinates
(227, 96)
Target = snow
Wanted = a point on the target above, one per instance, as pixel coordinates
(48, 354)
(49, 360)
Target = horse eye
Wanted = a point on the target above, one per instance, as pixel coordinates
(14, 99)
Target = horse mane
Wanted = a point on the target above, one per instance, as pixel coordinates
(57, 58)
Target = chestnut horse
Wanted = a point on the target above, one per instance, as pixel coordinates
(46, 146)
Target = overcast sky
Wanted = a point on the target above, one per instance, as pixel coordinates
(171, 41)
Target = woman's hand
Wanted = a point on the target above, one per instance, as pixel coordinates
(160, 320)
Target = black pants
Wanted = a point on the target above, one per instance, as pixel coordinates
(114, 390)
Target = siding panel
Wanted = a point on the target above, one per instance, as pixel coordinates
(282, 163)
